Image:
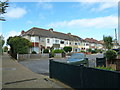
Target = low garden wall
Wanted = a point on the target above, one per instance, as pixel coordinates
(45, 55)
(57, 55)
(31, 56)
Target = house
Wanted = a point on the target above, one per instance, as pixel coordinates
(43, 38)
(94, 44)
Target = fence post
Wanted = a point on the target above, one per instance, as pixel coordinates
(50, 67)
(17, 56)
(81, 75)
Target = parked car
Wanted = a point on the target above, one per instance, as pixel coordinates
(78, 59)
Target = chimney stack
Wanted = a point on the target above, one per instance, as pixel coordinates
(69, 33)
(51, 29)
(22, 32)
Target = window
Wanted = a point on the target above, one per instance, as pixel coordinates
(66, 42)
(48, 40)
(75, 43)
(70, 43)
(62, 42)
(87, 44)
(78, 43)
(57, 41)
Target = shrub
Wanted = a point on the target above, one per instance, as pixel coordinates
(83, 51)
(105, 68)
(89, 50)
(94, 51)
(67, 49)
(111, 54)
(58, 51)
(46, 51)
(33, 52)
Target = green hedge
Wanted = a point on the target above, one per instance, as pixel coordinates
(46, 51)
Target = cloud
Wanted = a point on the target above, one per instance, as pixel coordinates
(29, 22)
(105, 5)
(45, 5)
(99, 22)
(15, 12)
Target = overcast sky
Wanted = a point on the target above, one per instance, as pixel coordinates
(84, 19)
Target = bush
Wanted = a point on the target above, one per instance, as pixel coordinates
(89, 50)
(58, 51)
(67, 49)
(46, 51)
(105, 68)
(33, 52)
(111, 54)
(83, 51)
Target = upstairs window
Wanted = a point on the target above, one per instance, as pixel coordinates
(57, 41)
(75, 43)
(62, 42)
(48, 40)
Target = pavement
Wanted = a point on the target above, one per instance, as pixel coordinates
(15, 75)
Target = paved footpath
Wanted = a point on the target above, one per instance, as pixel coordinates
(14, 75)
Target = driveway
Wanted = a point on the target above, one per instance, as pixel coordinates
(39, 66)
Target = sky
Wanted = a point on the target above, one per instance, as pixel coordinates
(84, 19)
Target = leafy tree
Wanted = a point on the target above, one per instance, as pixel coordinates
(111, 55)
(19, 45)
(5, 49)
(3, 6)
(67, 49)
(108, 42)
(1, 43)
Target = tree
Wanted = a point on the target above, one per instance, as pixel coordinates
(19, 45)
(3, 6)
(67, 49)
(2, 41)
(5, 49)
(111, 55)
(108, 42)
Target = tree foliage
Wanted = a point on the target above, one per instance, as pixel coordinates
(3, 6)
(108, 42)
(19, 45)
(67, 49)
(2, 41)
(5, 49)
(111, 54)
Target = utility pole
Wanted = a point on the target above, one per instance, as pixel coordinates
(115, 36)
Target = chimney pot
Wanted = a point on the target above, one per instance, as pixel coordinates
(22, 32)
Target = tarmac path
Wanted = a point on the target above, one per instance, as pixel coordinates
(15, 75)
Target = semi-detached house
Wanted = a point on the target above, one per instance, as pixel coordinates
(42, 39)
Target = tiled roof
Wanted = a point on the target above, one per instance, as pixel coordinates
(52, 34)
(91, 40)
